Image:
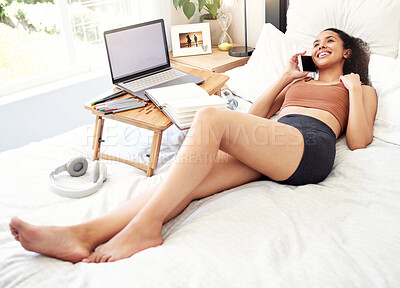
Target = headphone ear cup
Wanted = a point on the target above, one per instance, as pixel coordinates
(103, 172)
(77, 166)
(96, 171)
(99, 172)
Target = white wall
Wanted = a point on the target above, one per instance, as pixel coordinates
(255, 20)
(47, 114)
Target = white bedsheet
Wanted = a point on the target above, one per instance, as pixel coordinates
(343, 232)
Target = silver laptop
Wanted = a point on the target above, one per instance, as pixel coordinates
(139, 59)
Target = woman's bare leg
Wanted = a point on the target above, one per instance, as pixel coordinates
(75, 243)
(272, 148)
(228, 172)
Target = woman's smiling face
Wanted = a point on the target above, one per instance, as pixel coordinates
(328, 49)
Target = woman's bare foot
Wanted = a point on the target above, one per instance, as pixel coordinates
(132, 239)
(59, 242)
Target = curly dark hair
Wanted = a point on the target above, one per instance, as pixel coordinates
(359, 57)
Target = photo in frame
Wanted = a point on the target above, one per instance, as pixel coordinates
(190, 39)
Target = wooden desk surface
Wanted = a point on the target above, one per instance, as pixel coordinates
(218, 61)
(150, 117)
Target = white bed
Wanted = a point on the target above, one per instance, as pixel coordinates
(343, 232)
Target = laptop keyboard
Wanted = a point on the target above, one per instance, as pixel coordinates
(153, 80)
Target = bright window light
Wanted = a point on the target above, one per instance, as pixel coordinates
(46, 40)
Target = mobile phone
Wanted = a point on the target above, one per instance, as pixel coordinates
(308, 64)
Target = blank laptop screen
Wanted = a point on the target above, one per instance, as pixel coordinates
(136, 50)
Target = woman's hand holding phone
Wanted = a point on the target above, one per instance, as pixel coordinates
(293, 70)
(308, 64)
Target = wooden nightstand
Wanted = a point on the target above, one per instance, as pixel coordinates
(219, 61)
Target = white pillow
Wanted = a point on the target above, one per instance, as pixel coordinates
(375, 21)
(268, 62)
(385, 78)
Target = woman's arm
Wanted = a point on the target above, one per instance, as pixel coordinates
(362, 110)
(271, 100)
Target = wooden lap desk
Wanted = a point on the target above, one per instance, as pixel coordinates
(150, 118)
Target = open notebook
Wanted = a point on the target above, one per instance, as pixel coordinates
(181, 102)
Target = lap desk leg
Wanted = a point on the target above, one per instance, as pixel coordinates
(154, 152)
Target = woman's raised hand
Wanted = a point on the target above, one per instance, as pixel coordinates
(293, 69)
(351, 80)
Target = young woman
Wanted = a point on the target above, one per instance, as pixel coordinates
(224, 149)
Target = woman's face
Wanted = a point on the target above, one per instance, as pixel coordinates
(328, 50)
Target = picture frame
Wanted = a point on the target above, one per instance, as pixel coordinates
(190, 39)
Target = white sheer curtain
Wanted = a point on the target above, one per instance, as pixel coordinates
(147, 10)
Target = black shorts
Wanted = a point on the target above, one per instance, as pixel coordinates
(319, 150)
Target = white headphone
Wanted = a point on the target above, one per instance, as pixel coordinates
(77, 167)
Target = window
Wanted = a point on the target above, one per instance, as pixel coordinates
(45, 40)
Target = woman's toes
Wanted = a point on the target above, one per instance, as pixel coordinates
(111, 259)
(92, 258)
(17, 223)
(105, 258)
(14, 233)
(13, 230)
(98, 257)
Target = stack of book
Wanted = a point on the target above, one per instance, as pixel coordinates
(181, 102)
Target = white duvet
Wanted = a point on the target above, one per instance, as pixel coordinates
(343, 232)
